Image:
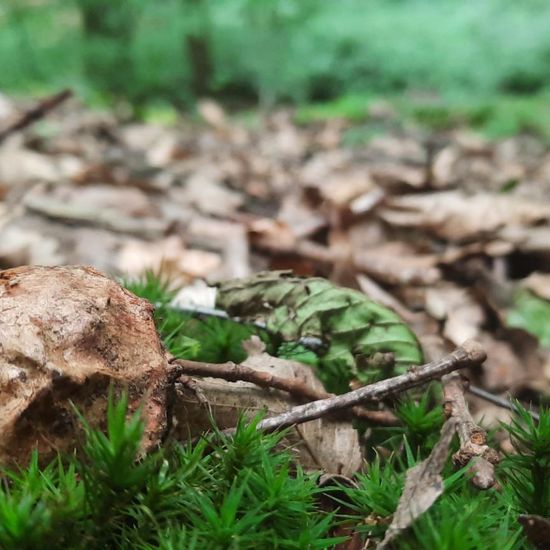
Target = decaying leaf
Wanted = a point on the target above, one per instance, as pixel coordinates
(462, 315)
(170, 254)
(395, 262)
(66, 334)
(455, 216)
(539, 284)
(353, 327)
(423, 485)
(328, 444)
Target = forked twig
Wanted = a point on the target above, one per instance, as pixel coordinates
(474, 450)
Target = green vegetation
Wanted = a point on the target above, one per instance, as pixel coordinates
(219, 493)
(531, 313)
(246, 492)
(241, 493)
(167, 53)
(496, 117)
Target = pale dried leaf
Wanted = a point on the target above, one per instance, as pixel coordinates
(170, 255)
(397, 263)
(462, 315)
(455, 216)
(212, 113)
(196, 295)
(423, 485)
(539, 284)
(204, 192)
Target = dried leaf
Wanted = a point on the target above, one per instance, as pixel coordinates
(423, 485)
(539, 284)
(455, 216)
(456, 306)
(67, 333)
(170, 254)
(396, 262)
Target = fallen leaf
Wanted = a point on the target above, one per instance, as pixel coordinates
(170, 255)
(455, 216)
(212, 113)
(423, 486)
(66, 334)
(397, 263)
(204, 192)
(461, 313)
(539, 284)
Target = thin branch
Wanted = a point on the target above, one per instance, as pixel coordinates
(36, 113)
(497, 400)
(473, 439)
(470, 354)
(232, 372)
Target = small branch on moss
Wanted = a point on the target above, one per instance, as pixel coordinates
(470, 354)
(473, 439)
(232, 372)
(36, 113)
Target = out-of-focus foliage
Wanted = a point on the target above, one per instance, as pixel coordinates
(532, 314)
(171, 50)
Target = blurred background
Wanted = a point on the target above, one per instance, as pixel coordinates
(485, 61)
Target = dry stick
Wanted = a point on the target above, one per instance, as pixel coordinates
(232, 372)
(473, 439)
(35, 113)
(498, 401)
(469, 354)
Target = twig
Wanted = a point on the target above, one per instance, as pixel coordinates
(469, 354)
(473, 439)
(232, 373)
(497, 400)
(36, 113)
(315, 344)
(191, 385)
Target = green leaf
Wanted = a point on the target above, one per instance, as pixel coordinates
(354, 329)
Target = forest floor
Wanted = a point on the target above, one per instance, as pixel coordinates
(447, 228)
(450, 230)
